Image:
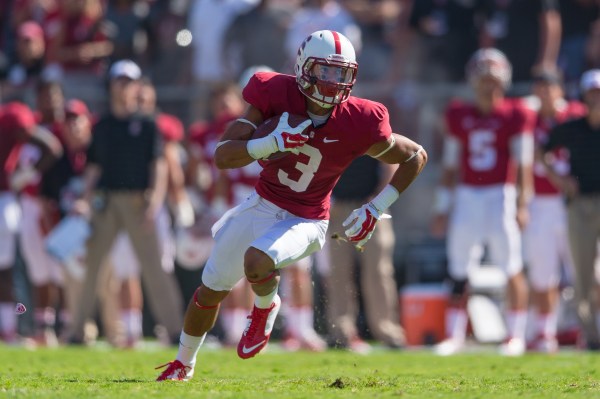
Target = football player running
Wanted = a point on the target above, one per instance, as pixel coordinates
(286, 218)
(485, 186)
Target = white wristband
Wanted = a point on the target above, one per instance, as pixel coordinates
(442, 201)
(261, 148)
(385, 198)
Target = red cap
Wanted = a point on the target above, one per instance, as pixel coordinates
(16, 116)
(76, 107)
(30, 30)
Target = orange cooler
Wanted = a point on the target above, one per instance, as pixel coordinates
(422, 312)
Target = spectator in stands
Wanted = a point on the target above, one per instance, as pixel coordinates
(446, 36)
(129, 21)
(377, 20)
(528, 32)
(256, 37)
(125, 182)
(208, 21)
(81, 45)
(364, 178)
(321, 14)
(18, 126)
(28, 63)
(577, 19)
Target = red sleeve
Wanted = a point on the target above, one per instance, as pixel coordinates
(170, 127)
(577, 109)
(380, 120)
(256, 92)
(452, 118)
(524, 120)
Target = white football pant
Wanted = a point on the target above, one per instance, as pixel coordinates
(258, 223)
(484, 215)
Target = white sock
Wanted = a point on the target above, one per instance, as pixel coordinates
(239, 321)
(132, 320)
(546, 324)
(456, 324)
(188, 348)
(264, 302)
(8, 318)
(307, 318)
(517, 323)
(44, 317)
(294, 323)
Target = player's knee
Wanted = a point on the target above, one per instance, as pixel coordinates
(257, 265)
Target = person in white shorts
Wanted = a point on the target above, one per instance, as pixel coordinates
(17, 127)
(286, 218)
(484, 191)
(546, 241)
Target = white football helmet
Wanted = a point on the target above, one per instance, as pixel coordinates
(326, 68)
(489, 62)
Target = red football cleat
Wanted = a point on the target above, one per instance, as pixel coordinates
(257, 333)
(175, 371)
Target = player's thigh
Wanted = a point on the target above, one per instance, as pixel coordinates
(542, 255)
(465, 235)
(292, 239)
(225, 265)
(504, 235)
(10, 221)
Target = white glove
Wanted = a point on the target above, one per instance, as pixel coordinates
(184, 213)
(362, 223)
(289, 138)
(23, 177)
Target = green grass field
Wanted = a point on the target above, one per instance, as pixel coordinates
(108, 373)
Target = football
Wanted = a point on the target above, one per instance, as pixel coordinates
(270, 124)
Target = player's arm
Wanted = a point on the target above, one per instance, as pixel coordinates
(444, 193)
(232, 150)
(182, 206)
(49, 145)
(522, 151)
(410, 158)
(408, 155)
(239, 150)
(567, 184)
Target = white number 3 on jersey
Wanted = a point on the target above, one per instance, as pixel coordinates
(308, 169)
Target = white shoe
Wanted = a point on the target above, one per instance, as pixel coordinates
(513, 347)
(544, 344)
(175, 371)
(449, 347)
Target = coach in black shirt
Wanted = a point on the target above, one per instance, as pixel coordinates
(124, 189)
(581, 137)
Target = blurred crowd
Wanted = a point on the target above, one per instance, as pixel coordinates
(176, 69)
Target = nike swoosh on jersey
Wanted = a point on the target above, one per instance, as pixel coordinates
(250, 349)
(326, 140)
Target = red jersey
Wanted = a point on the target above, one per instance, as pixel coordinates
(486, 139)
(567, 111)
(302, 184)
(10, 148)
(203, 143)
(169, 126)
